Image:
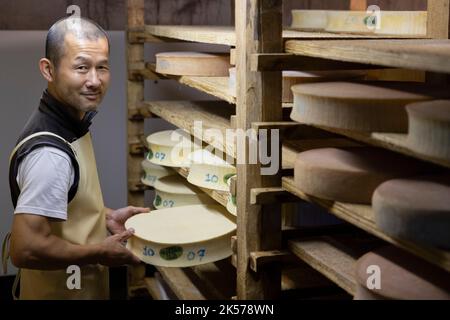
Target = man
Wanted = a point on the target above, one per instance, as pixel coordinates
(59, 217)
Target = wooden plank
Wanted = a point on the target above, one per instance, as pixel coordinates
(330, 260)
(426, 55)
(217, 280)
(396, 142)
(181, 285)
(259, 30)
(153, 288)
(213, 115)
(362, 217)
(438, 19)
(261, 258)
(358, 5)
(287, 61)
(261, 196)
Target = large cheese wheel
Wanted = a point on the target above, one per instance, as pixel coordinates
(349, 174)
(181, 236)
(175, 191)
(408, 23)
(429, 128)
(291, 78)
(416, 209)
(401, 276)
(193, 64)
(360, 106)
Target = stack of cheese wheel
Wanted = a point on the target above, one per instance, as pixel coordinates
(350, 174)
(391, 273)
(175, 191)
(153, 172)
(415, 209)
(429, 128)
(291, 78)
(359, 106)
(210, 171)
(170, 148)
(407, 23)
(193, 64)
(182, 236)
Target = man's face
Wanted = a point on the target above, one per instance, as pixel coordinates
(82, 76)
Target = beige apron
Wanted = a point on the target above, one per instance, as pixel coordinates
(86, 224)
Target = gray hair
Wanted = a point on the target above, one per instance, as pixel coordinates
(81, 28)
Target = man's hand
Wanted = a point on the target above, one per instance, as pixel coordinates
(112, 251)
(115, 219)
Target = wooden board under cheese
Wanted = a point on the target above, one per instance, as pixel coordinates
(291, 78)
(350, 174)
(193, 64)
(429, 128)
(415, 209)
(391, 273)
(404, 23)
(360, 106)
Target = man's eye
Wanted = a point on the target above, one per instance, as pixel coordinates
(82, 68)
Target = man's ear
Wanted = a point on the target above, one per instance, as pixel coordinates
(47, 69)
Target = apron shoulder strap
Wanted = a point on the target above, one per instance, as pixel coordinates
(37, 134)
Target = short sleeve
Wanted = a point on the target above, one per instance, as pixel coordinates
(44, 178)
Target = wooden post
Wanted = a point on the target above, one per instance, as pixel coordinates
(438, 19)
(135, 96)
(135, 128)
(258, 30)
(358, 5)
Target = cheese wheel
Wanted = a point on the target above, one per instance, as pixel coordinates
(359, 106)
(291, 78)
(350, 174)
(153, 172)
(170, 148)
(181, 236)
(429, 128)
(415, 209)
(210, 171)
(193, 64)
(401, 276)
(406, 23)
(175, 191)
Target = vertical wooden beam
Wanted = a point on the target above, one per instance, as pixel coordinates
(438, 19)
(358, 5)
(135, 96)
(135, 129)
(258, 30)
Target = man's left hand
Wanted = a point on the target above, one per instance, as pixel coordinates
(115, 219)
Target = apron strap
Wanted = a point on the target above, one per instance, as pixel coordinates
(5, 258)
(37, 134)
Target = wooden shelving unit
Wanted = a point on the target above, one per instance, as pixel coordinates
(263, 46)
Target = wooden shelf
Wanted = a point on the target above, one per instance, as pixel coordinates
(183, 114)
(334, 256)
(426, 55)
(225, 35)
(220, 196)
(204, 282)
(392, 141)
(362, 217)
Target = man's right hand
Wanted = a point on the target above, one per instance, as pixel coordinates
(113, 252)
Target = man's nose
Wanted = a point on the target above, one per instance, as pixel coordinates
(93, 79)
